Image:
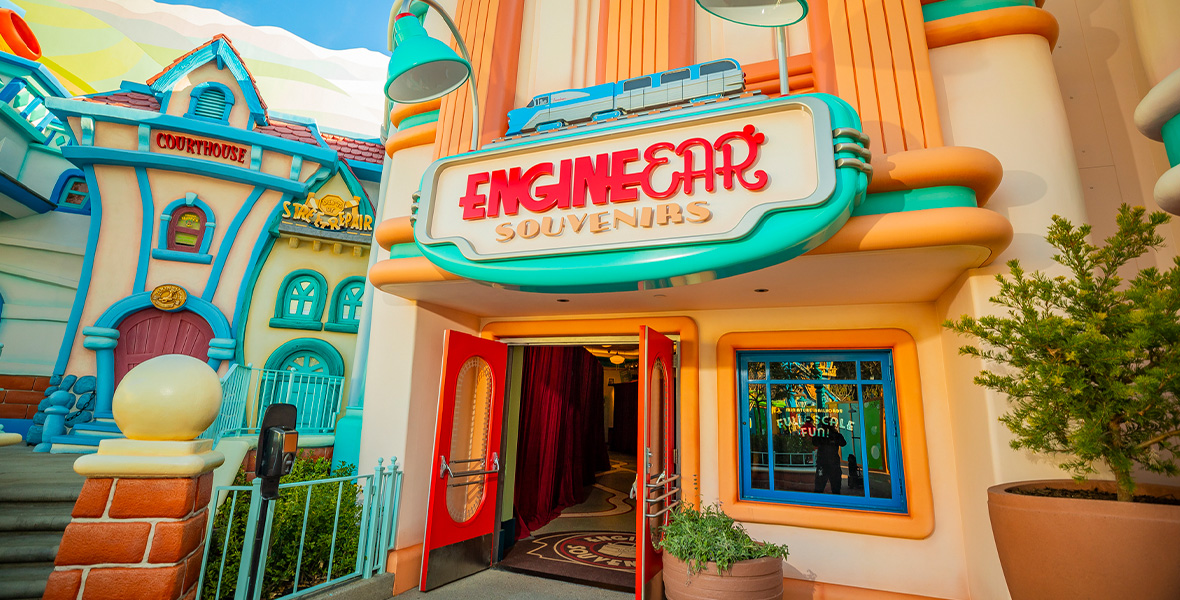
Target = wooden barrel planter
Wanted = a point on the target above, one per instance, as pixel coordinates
(758, 579)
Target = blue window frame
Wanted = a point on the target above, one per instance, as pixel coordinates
(210, 101)
(300, 301)
(346, 305)
(803, 414)
(72, 193)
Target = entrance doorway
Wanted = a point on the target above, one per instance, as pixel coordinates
(589, 469)
(152, 332)
(570, 511)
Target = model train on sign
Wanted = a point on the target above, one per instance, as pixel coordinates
(555, 110)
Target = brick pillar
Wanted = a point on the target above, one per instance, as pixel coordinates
(138, 528)
(134, 537)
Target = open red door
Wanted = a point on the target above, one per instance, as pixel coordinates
(658, 473)
(466, 471)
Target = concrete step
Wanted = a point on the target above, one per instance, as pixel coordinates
(377, 587)
(28, 546)
(35, 516)
(98, 429)
(24, 580)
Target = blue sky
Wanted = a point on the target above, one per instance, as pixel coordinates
(336, 24)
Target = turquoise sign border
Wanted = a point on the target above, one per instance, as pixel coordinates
(781, 234)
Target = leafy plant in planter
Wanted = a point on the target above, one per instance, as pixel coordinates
(1092, 361)
(695, 539)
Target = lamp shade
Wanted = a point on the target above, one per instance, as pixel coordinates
(421, 67)
(616, 359)
(762, 13)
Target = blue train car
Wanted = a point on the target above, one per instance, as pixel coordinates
(676, 86)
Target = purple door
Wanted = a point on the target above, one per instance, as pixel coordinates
(152, 332)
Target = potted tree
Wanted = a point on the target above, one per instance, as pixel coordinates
(708, 555)
(1090, 364)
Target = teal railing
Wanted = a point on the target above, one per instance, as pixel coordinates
(247, 392)
(326, 531)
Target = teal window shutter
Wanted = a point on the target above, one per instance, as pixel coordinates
(211, 104)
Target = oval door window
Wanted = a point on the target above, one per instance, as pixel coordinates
(469, 438)
(657, 404)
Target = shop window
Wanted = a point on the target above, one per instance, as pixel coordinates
(300, 302)
(211, 101)
(820, 428)
(186, 231)
(73, 195)
(346, 305)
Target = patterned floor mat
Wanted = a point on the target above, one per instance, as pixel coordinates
(602, 558)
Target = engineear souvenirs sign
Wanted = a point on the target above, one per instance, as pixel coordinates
(713, 192)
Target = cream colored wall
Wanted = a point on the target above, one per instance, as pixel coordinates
(1001, 95)
(1102, 81)
(112, 277)
(260, 339)
(225, 198)
(239, 115)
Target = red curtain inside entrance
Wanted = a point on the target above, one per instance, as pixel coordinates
(562, 435)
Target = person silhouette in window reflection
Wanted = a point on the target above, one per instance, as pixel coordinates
(827, 441)
(854, 479)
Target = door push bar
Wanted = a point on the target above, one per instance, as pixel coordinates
(665, 509)
(660, 481)
(445, 468)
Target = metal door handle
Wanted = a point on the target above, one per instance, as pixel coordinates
(633, 486)
(445, 468)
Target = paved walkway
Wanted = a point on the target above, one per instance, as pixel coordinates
(494, 584)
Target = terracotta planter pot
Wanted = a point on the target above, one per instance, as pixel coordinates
(759, 579)
(1079, 549)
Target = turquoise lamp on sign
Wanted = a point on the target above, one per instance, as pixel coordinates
(763, 13)
(422, 68)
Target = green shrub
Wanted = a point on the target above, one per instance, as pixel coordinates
(709, 535)
(283, 554)
(1091, 362)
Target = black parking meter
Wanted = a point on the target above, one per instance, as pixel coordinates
(277, 443)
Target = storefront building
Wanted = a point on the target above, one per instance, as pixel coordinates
(219, 230)
(775, 268)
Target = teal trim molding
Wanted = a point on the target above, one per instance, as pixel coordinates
(1170, 133)
(95, 202)
(178, 256)
(202, 254)
(333, 362)
(168, 162)
(953, 8)
(418, 119)
(145, 231)
(64, 108)
(228, 241)
(920, 199)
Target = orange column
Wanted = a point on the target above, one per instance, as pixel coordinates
(881, 65)
(491, 30)
(637, 37)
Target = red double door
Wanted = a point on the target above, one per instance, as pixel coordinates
(466, 472)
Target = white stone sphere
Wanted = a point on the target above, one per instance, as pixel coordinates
(169, 397)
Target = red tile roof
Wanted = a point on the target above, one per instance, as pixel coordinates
(129, 99)
(348, 148)
(220, 36)
(289, 131)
